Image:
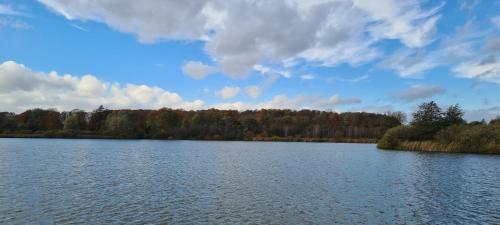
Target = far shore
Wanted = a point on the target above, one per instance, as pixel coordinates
(87, 135)
(415, 146)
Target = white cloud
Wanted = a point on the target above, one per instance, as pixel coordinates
(335, 100)
(409, 63)
(229, 92)
(454, 48)
(352, 80)
(468, 4)
(481, 64)
(21, 89)
(253, 91)
(240, 34)
(91, 86)
(487, 69)
(9, 18)
(270, 71)
(13, 23)
(78, 27)
(307, 77)
(297, 102)
(353, 52)
(270, 76)
(460, 51)
(9, 10)
(197, 70)
(420, 92)
(149, 20)
(401, 20)
(261, 69)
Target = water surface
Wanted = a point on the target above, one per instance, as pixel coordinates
(191, 182)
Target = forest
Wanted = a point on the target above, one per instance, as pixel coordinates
(210, 124)
(435, 129)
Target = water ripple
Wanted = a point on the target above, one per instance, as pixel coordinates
(195, 182)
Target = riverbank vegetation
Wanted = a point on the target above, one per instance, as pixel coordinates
(211, 124)
(433, 129)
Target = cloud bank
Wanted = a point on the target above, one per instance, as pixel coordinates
(21, 89)
(241, 34)
(297, 102)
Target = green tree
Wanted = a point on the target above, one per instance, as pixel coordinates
(427, 120)
(453, 116)
(8, 121)
(98, 119)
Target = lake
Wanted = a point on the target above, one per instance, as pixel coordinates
(47, 181)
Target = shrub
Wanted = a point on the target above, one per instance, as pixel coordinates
(495, 121)
(480, 139)
(394, 136)
(449, 134)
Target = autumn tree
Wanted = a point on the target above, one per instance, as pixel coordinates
(39, 119)
(118, 121)
(75, 120)
(211, 123)
(162, 123)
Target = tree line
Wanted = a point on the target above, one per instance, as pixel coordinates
(435, 129)
(210, 124)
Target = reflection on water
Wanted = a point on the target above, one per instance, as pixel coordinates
(109, 181)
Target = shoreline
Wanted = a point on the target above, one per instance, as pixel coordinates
(414, 146)
(433, 147)
(44, 135)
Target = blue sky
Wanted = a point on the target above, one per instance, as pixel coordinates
(341, 55)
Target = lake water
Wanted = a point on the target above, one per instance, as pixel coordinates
(45, 181)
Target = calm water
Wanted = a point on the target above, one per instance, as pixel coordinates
(191, 182)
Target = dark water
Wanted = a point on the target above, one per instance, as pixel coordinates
(45, 181)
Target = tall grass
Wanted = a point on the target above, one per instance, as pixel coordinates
(459, 138)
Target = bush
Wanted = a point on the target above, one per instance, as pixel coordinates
(479, 139)
(394, 136)
(458, 138)
(449, 134)
(432, 130)
(495, 121)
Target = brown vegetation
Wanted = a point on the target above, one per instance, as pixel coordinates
(211, 124)
(435, 131)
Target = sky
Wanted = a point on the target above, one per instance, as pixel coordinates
(339, 55)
